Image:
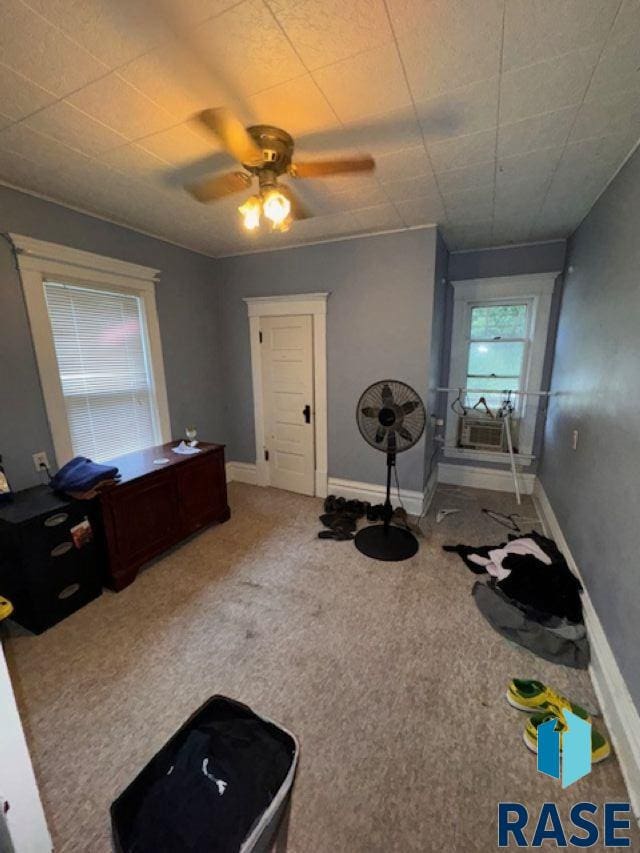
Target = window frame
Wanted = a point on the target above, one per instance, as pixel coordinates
(536, 291)
(39, 261)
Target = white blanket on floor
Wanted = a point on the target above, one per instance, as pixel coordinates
(493, 563)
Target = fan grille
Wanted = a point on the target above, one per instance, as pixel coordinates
(391, 416)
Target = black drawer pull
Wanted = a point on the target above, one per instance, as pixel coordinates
(68, 591)
(61, 549)
(55, 520)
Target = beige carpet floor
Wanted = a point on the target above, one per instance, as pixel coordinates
(387, 673)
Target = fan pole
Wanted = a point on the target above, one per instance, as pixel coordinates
(388, 509)
(386, 541)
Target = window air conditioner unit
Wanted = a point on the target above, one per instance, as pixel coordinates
(481, 433)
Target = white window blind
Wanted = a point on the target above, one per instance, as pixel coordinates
(101, 348)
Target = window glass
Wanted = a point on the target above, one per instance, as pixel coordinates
(494, 401)
(498, 321)
(495, 358)
(496, 355)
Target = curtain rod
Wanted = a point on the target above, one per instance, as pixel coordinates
(498, 391)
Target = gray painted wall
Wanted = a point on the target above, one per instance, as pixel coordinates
(595, 491)
(439, 354)
(378, 327)
(492, 263)
(509, 260)
(188, 308)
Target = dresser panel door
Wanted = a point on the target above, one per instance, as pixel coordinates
(202, 491)
(144, 517)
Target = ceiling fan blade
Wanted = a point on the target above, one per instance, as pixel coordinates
(320, 168)
(380, 434)
(211, 189)
(403, 432)
(298, 209)
(370, 411)
(233, 135)
(387, 396)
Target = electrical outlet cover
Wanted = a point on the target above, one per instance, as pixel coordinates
(40, 461)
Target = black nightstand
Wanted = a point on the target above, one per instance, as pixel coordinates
(51, 556)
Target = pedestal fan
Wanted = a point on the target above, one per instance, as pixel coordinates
(391, 418)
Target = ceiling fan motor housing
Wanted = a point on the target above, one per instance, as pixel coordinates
(265, 152)
(276, 146)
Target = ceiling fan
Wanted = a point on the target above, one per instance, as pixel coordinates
(265, 153)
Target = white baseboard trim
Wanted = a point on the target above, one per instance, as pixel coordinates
(242, 472)
(322, 482)
(353, 490)
(248, 472)
(430, 490)
(616, 704)
(477, 477)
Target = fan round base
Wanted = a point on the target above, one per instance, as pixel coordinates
(392, 544)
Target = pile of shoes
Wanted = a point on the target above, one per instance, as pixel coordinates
(375, 512)
(544, 704)
(341, 517)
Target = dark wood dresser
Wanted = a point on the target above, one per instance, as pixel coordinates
(157, 504)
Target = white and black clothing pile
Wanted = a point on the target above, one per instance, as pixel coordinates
(531, 596)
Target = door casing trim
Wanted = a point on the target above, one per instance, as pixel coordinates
(315, 305)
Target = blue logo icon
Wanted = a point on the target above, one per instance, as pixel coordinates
(565, 754)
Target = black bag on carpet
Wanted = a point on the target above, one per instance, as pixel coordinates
(221, 785)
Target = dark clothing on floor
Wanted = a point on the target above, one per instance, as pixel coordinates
(553, 639)
(550, 589)
(464, 551)
(537, 605)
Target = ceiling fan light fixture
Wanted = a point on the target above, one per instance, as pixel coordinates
(285, 225)
(250, 212)
(276, 207)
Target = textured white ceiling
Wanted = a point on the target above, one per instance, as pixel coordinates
(502, 120)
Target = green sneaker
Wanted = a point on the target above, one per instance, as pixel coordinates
(600, 748)
(528, 695)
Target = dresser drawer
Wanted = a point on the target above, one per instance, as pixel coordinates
(65, 597)
(47, 537)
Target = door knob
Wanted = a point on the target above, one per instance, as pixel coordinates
(307, 413)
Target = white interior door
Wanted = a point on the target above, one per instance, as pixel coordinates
(23, 828)
(287, 383)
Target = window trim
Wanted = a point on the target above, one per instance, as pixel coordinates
(39, 260)
(537, 291)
